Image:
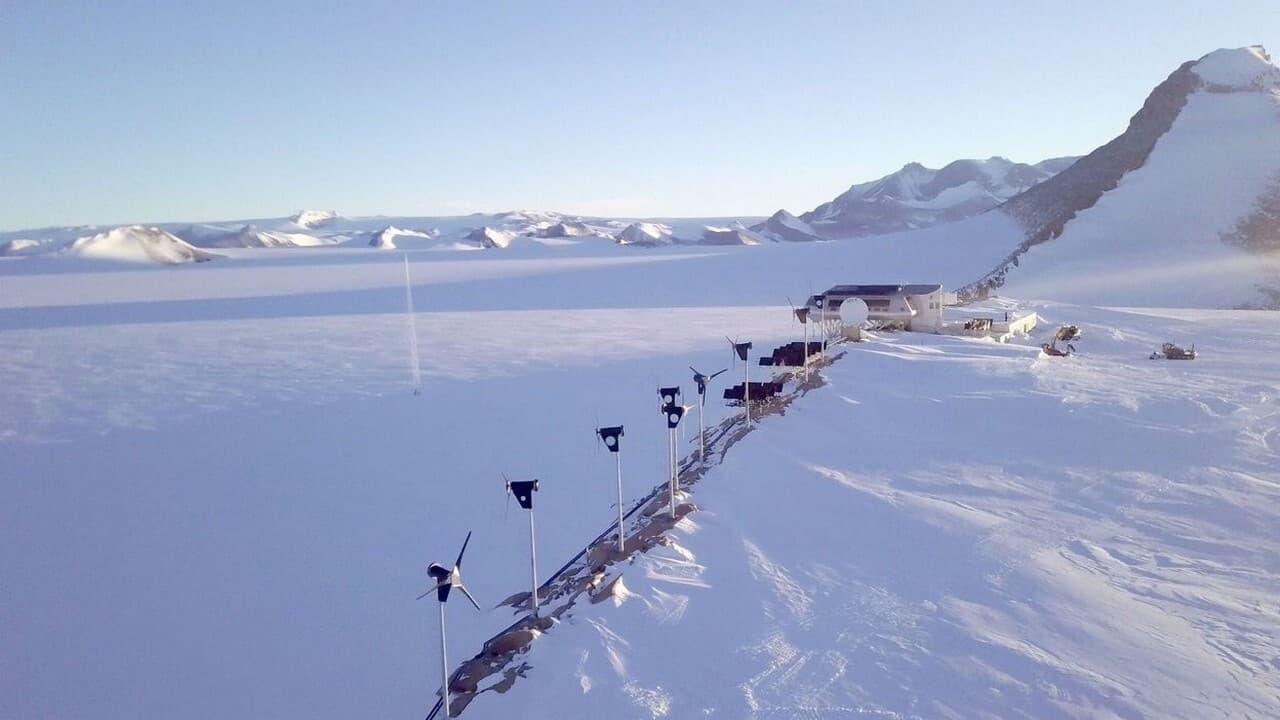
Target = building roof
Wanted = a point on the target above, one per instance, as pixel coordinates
(874, 290)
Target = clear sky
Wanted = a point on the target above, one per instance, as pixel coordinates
(136, 111)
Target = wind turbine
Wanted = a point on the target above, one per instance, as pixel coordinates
(447, 579)
(744, 352)
(802, 315)
(612, 439)
(822, 323)
(702, 379)
(673, 413)
(523, 490)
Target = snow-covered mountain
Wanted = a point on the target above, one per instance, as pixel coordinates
(21, 246)
(736, 234)
(250, 236)
(918, 197)
(1179, 209)
(312, 219)
(386, 238)
(564, 229)
(782, 226)
(490, 237)
(137, 243)
(645, 234)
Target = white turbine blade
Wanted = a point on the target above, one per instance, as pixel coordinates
(463, 588)
(434, 588)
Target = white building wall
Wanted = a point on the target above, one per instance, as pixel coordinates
(928, 317)
(898, 310)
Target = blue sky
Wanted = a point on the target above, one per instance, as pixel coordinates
(134, 111)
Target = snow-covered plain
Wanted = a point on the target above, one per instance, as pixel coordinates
(221, 494)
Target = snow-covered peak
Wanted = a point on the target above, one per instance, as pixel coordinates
(564, 229)
(385, 239)
(21, 246)
(1247, 68)
(488, 237)
(783, 226)
(643, 233)
(312, 219)
(528, 216)
(138, 243)
(735, 234)
(251, 236)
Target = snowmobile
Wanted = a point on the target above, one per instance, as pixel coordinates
(1169, 351)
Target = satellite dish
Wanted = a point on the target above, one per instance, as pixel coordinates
(853, 312)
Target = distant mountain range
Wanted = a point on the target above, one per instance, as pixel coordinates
(915, 197)
(496, 231)
(1189, 194)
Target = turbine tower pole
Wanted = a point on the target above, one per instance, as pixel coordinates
(804, 322)
(444, 664)
(823, 324)
(671, 469)
(533, 563)
(702, 431)
(622, 542)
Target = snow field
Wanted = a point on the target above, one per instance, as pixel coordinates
(221, 495)
(957, 528)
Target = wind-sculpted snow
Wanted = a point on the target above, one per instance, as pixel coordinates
(962, 529)
(221, 494)
(1241, 69)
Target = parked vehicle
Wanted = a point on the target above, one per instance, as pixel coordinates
(1169, 351)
